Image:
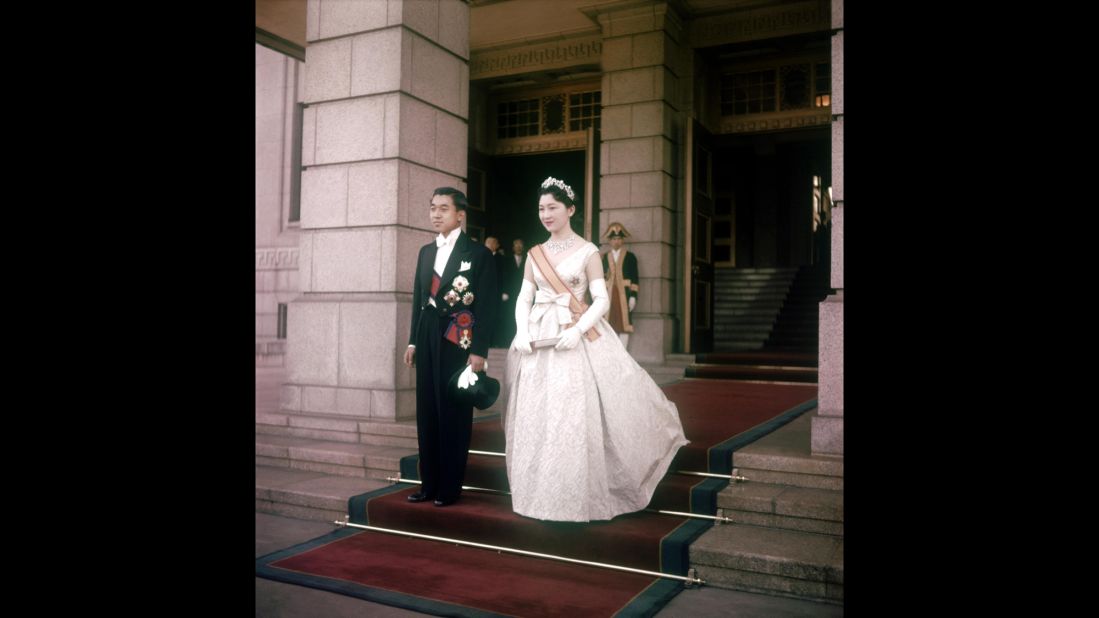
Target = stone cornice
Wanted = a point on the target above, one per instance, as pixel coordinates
(762, 23)
(538, 57)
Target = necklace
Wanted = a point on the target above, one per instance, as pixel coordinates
(556, 247)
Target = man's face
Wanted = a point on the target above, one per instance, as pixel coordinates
(517, 247)
(444, 215)
(492, 244)
(616, 242)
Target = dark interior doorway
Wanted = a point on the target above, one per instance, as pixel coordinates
(511, 185)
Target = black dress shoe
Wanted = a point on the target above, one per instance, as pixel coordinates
(418, 497)
(445, 502)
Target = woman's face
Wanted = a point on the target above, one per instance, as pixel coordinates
(554, 214)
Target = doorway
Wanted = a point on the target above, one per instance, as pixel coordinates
(510, 186)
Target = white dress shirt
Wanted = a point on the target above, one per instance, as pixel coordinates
(446, 247)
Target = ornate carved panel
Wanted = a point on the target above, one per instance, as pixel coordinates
(732, 124)
(280, 258)
(762, 23)
(541, 57)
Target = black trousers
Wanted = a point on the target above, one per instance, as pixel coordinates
(443, 429)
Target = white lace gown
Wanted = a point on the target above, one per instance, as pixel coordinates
(589, 434)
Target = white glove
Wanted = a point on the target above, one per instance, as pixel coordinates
(632, 303)
(522, 317)
(468, 378)
(600, 303)
(568, 339)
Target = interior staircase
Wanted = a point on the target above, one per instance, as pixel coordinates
(747, 301)
(766, 325)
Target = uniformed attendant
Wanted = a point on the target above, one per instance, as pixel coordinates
(620, 267)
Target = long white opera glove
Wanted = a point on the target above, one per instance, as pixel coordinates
(522, 318)
(600, 303)
(632, 303)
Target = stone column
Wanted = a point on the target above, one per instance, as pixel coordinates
(827, 431)
(642, 62)
(276, 239)
(386, 84)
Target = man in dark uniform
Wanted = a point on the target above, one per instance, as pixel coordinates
(620, 270)
(455, 298)
(499, 338)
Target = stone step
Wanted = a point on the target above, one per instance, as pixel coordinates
(784, 457)
(736, 273)
(770, 561)
(679, 360)
(329, 457)
(337, 428)
(793, 479)
(768, 304)
(732, 294)
(818, 511)
(664, 375)
(796, 342)
(747, 308)
(740, 333)
(736, 346)
(307, 495)
(758, 318)
(769, 285)
(388, 433)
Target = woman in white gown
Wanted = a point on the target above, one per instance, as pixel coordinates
(589, 434)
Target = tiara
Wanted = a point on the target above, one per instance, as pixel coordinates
(560, 184)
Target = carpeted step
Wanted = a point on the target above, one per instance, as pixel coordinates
(763, 357)
(446, 579)
(744, 372)
(676, 492)
(781, 562)
(718, 418)
(486, 518)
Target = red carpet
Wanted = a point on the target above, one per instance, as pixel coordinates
(470, 578)
(442, 578)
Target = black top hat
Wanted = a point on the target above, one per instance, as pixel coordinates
(481, 394)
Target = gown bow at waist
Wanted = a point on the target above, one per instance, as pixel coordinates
(546, 301)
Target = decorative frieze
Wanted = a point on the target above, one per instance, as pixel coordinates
(762, 23)
(554, 55)
(277, 258)
(743, 125)
(535, 144)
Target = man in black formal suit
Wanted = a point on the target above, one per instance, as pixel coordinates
(455, 300)
(499, 339)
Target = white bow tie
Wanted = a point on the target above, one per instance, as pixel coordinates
(440, 240)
